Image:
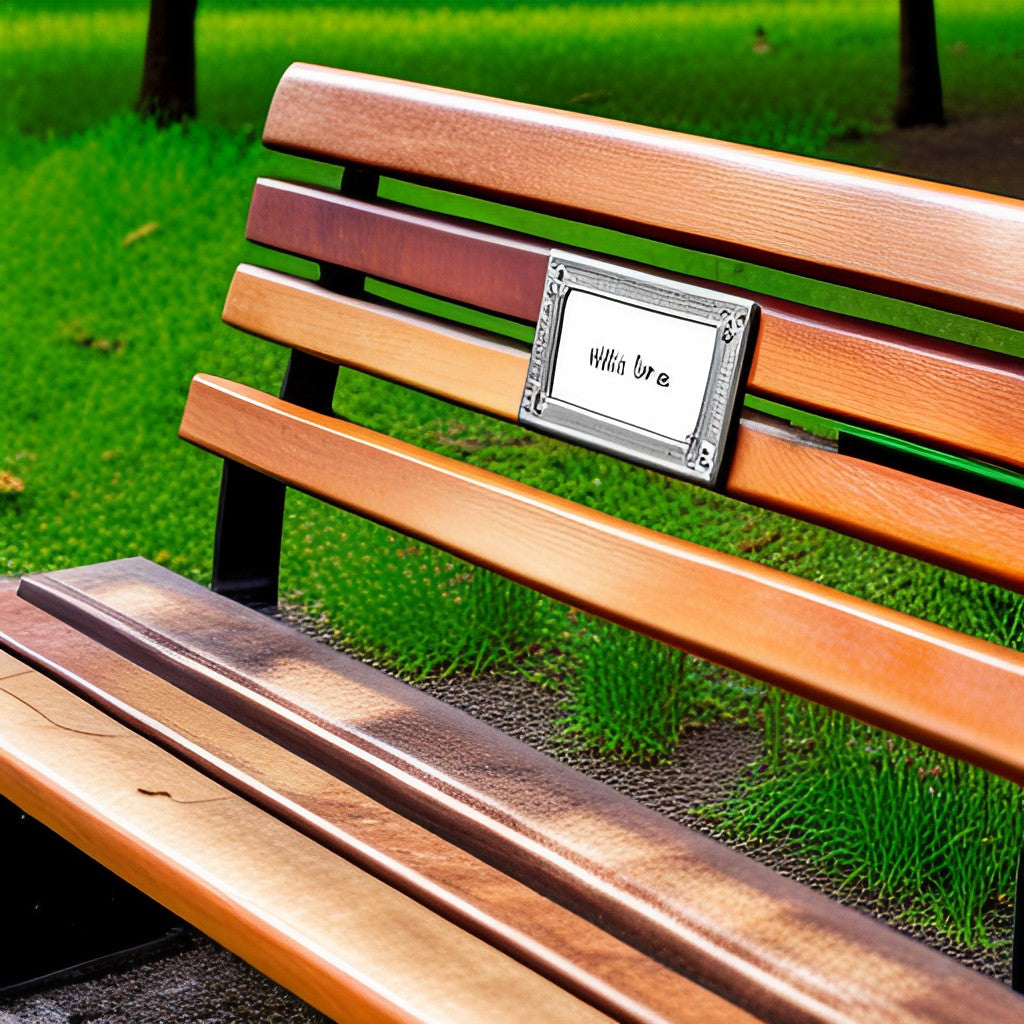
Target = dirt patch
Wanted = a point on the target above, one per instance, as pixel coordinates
(203, 985)
(983, 153)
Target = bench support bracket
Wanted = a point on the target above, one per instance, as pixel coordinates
(250, 514)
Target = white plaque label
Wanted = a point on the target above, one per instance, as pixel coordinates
(642, 366)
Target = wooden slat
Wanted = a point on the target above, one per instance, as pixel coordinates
(763, 940)
(462, 365)
(931, 684)
(477, 266)
(852, 226)
(947, 396)
(957, 529)
(549, 939)
(343, 941)
(935, 392)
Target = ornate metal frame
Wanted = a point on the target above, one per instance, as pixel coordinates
(702, 455)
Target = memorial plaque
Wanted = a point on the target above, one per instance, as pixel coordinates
(638, 365)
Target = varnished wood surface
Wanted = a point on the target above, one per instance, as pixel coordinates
(457, 363)
(340, 939)
(782, 950)
(910, 676)
(960, 530)
(939, 245)
(957, 529)
(946, 396)
(478, 266)
(557, 943)
(935, 392)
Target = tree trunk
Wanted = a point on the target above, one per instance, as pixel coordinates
(168, 90)
(920, 94)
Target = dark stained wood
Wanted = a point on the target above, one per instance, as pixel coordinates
(957, 529)
(289, 906)
(444, 256)
(931, 684)
(782, 950)
(844, 224)
(491, 905)
(963, 399)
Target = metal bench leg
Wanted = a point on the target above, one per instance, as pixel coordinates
(250, 515)
(247, 545)
(1017, 968)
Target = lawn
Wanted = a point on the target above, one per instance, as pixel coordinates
(117, 247)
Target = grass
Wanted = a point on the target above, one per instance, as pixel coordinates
(829, 790)
(688, 66)
(117, 247)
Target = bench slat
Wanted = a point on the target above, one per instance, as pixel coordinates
(470, 367)
(963, 399)
(842, 224)
(958, 529)
(765, 941)
(549, 939)
(949, 691)
(338, 938)
(477, 266)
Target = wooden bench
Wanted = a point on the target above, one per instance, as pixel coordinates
(390, 858)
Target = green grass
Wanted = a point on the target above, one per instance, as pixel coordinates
(936, 838)
(117, 246)
(684, 66)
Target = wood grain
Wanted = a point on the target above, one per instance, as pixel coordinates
(475, 265)
(848, 225)
(470, 367)
(947, 396)
(957, 529)
(506, 914)
(931, 684)
(953, 396)
(343, 941)
(776, 947)
(962, 531)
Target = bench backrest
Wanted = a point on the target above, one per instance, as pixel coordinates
(951, 249)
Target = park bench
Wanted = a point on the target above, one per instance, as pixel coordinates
(388, 857)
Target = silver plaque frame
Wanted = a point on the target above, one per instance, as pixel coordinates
(696, 448)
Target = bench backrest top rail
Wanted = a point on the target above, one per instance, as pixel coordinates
(851, 226)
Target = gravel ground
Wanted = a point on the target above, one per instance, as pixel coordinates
(205, 984)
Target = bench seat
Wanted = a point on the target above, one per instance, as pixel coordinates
(305, 723)
(327, 930)
(204, 815)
